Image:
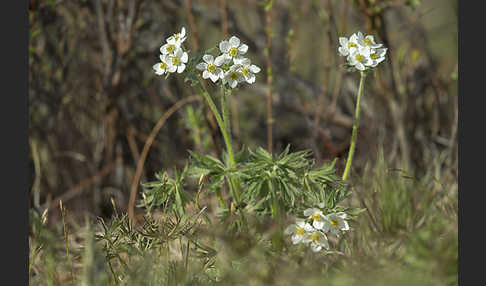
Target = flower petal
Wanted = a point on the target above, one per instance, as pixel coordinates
(208, 58)
(234, 42)
(172, 68)
(343, 41)
(343, 51)
(184, 57)
(254, 69)
(214, 77)
(316, 247)
(181, 68)
(224, 46)
(296, 238)
(219, 60)
(344, 225)
(202, 66)
(243, 49)
(318, 224)
(206, 74)
(250, 78)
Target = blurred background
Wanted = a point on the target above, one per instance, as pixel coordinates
(94, 99)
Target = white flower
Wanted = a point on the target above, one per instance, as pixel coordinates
(298, 230)
(168, 49)
(233, 76)
(317, 217)
(360, 58)
(210, 68)
(177, 38)
(377, 56)
(177, 61)
(348, 45)
(232, 49)
(335, 223)
(361, 51)
(162, 67)
(247, 69)
(317, 239)
(367, 41)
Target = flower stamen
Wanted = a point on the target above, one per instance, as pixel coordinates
(211, 68)
(245, 71)
(233, 52)
(300, 231)
(233, 76)
(170, 48)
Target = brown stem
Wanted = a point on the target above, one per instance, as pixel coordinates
(325, 77)
(268, 30)
(192, 24)
(146, 148)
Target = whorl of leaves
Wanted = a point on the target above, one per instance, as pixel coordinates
(285, 182)
(272, 184)
(290, 182)
(166, 192)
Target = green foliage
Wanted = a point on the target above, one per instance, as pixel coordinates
(166, 192)
(288, 183)
(414, 243)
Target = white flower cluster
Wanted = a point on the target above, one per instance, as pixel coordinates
(362, 52)
(231, 67)
(313, 229)
(173, 57)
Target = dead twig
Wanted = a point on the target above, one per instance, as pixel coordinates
(146, 148)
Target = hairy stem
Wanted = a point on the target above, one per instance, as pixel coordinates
(234, 186)
(355, 128)
(224, 111)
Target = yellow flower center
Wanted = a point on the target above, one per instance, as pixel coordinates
(170, 48)
(316, 217)
(175, 61)
(245, 71)
(163, 66)
(233, 76)
(211, 68)
(351, 44)
(367, 41)
(334, 222)
(359, 57)
(176, 36)
(315, 237)
(233, 52)
(300, 231)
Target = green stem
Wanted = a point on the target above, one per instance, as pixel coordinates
(224, 111)
(221, 124)
(355, 128)
(234, 186)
